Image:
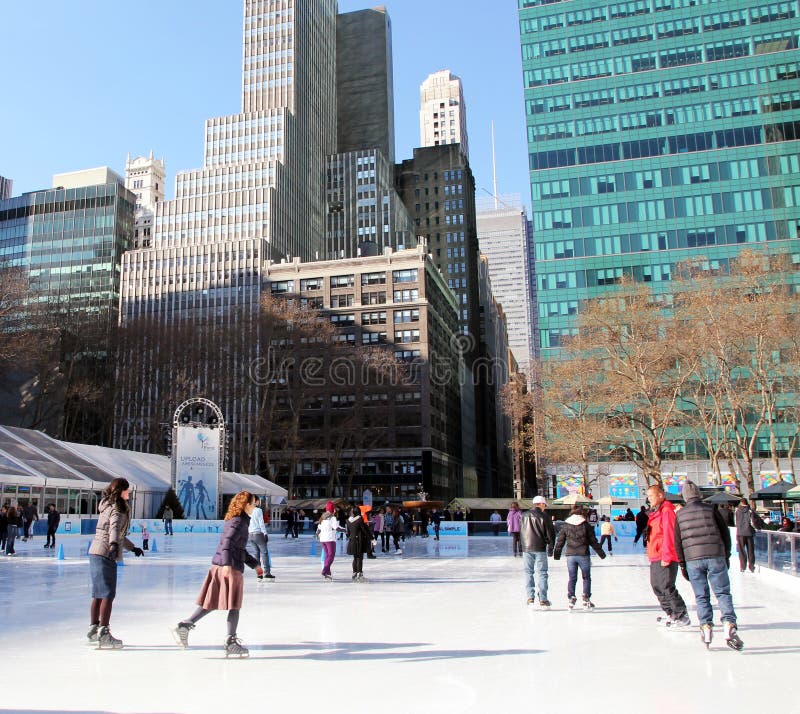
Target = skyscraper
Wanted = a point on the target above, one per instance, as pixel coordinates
(260, 194)
(6, 187)
(145, 177)
(502, 226)
(443, 113)
(658, 130)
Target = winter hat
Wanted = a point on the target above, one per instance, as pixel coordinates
(329, 507)
(539, 499)
(690, 491)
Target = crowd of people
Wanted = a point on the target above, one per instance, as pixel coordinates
(17, 521)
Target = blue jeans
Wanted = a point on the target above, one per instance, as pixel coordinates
(713, 572)
(11, 536)
(585, 564)
(535, 574)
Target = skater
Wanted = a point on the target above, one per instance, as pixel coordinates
(513, 519)
(495, 520)
(388, 529)
(641, 526)
(359, 540)
(145, 538)
(703, 547)
(29, 515)
(398, 530)
(3, 526)
(607, 532)
(167, 516)
(663, 559)
(13, 522)
(223, 588)
(578, 535)
(537, 539)
(105, 552)
(326, 530)
(53, 519)
(258, 538)
(747, 523)
(436, 520)
(423, 523)
(290, 520)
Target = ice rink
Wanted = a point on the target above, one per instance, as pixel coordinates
(444, 627)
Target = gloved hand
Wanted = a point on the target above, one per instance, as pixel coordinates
(602, 555)
(113, 551)
(684, 571)
(259, 571)
(557, 556)
(138, 552)
(615, 538)
(550, 552)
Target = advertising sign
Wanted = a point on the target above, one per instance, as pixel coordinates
(197, 472)
(566, 485)
(673, 483)
(623, 486)
(770, 478)
(727, 480)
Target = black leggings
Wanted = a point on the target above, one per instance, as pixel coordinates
(515, 542)
(358, 563)
(233, 619)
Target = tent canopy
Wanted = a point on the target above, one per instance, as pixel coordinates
(776, 492)
(315, 503)
(487, 504)
(723, 497)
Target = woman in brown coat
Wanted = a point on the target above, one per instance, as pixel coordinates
(223, 587)
(110, 538)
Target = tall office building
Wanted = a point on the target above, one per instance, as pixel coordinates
(6, 187)
(502, 225)
(364, 212)
(260, 194)
(658, 130)
(145, 177)
(443, 113)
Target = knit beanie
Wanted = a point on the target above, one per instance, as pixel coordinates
(329, 507)
(690, 491)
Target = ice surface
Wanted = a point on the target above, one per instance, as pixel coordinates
(441, 628)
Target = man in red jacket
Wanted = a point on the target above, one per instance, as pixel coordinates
(663, 558)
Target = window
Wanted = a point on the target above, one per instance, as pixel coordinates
(406, 316)
(405, 276)
(282, 286)
(373, 318)
(373, 298)
(373, 278)
(309, 284)
(341, 401)
(405, 336)
(372, 338)
(342, 281)
(348, 318)
(406, 295)
(344, 300)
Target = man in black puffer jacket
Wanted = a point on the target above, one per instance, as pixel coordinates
(703, 546)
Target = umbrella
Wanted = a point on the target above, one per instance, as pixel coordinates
(722, 497)
(775, 492)
(609, 501)
(673, 497)
(572, 499)
(793, 494)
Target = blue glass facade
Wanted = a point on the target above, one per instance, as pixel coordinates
(658, 130)
(70, 243)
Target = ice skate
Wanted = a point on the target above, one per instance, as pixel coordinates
(328, 578)
(360, 578)
(398, 552)
(268, 577)
(680, 623)
(107, 641)
(706, 634)
(91, 635)
(572, 601)
(181, 633)
(234, 647)
(588, 604)
(665, 620)
(732, 638)
(531, 602)
(545, 604)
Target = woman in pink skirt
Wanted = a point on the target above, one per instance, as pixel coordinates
(224, 585)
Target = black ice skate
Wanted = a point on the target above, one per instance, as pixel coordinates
(234, 647)
(181, 633)
(706, 634)
(732, 638)
(91, 635)
(107, 641)
(572, 601)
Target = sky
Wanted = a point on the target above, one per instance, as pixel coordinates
(88, 81)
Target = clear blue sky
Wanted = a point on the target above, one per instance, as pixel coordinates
(87, 81)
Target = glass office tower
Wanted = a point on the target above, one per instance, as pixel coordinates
(657, 130)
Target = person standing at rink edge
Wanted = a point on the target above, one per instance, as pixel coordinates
(747, 523)
(257, 536)
(110, 538)
(223, 588)
(514, 519)
(663, 559)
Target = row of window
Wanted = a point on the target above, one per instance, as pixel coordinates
(638, 7)
(697, 173)
(345, 281)
(663, 146)
(682, 238)
(668, 208)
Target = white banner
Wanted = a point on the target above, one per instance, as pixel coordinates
(197, 472)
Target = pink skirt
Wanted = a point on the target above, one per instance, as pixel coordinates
(221, 592)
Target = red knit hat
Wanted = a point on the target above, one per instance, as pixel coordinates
(329, 507)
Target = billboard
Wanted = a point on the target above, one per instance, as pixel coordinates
(197, 475)
(624, 486)
(770, 478)
(673, 483)
(566, 485)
